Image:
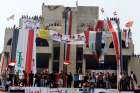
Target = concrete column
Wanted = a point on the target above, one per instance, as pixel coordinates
(72, 66)
(50, 64)
(61, 59)
(84, 66)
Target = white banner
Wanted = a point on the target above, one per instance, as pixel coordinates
(36, 90)
(65, 90)
(68, 39)
(105, 91)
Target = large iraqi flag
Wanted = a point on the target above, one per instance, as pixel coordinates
(26, 48)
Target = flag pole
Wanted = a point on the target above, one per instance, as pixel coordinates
(120, 63)
(65, 18)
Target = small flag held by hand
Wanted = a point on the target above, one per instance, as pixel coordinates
(10, 17)
(102, 11)
(129, 24)
(115, 13)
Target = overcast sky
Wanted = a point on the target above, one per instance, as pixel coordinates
(126, 9)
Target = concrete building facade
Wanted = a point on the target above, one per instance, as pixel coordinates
(82, 59)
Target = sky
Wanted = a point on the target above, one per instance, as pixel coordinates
(126, 10)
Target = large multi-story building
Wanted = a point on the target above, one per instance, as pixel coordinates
(50, 54)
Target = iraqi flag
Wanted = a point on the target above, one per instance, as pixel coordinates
(18, 66)
(21, 50)
(68, 29)
(115, 39)
(22, 47)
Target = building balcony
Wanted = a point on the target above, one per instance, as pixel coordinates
(110, 51)
(47, 50)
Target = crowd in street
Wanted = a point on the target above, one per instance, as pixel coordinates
(127, 82)
(67, 80)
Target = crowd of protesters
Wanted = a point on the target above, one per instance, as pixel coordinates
(128, 82)
(100, 80)
(68, 80)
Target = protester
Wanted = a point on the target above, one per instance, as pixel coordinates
(69, 80)
(31, 76)
(133, 81)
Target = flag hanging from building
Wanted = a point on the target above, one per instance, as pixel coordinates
(34, 53)
(98, 43)
(92, 40)
(19, 52)
(29, 52)
(68, 29)
(99, 25)
(125, 35)
(26, 52)
(14, 44)
(43, 33)
(115, 40)
(22, 44)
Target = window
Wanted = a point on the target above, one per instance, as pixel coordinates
(112, 45)
(41, 42)
(56, 55)
(9, 41)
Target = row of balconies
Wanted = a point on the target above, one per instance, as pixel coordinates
(86, 51)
